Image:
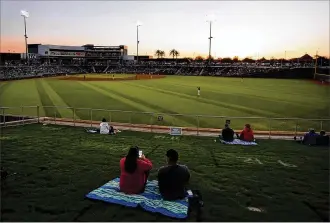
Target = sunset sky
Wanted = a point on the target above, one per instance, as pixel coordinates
(245, 28)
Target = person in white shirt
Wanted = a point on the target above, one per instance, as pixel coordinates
(105, 128)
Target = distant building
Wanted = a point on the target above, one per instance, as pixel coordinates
(86, 53)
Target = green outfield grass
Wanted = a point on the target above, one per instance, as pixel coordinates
(177, 94)
(54, 167)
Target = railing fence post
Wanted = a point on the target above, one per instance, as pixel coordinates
(91, 112)
(4, 116)
(38, 114)
(296, 128)
(130, 120)
(22, 114)
(270, 128)
(321, 124)
(110, 116)
(151, 123)
(55, 116)
(74, 116)
(197, 125)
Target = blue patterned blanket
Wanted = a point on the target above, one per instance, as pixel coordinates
(239, 142)
(150, 200)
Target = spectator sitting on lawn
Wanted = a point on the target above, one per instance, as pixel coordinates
(247, 134)
(173, 178)
(134, 172)
(105, 128)
(309, 137)
(322, 139)
(227, 134)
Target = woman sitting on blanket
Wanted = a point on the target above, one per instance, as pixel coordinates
(247, 134)
(105, 128)
(134, 172)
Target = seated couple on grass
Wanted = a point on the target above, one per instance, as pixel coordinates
(312, 138)
(172, 178)
(105, 128)
(228, 133)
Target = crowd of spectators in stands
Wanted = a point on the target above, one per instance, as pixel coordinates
(16, 70)
(36, 70)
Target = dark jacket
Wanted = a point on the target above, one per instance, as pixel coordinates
(322, 140)
(172, 181)
(227, 134)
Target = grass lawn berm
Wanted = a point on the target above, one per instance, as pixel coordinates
(53, 167)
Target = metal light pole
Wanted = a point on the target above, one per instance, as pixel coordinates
(210, 44)
(137, 41)
(25, 14)
(210, 19)
(315, 65)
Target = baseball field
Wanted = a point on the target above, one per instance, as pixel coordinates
(53, 167)
(175, 99)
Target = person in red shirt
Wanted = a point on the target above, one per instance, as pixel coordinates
(247, 134)
(134, 172)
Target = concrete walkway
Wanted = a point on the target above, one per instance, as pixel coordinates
(165, 129)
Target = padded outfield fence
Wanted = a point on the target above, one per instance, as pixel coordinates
(151, 121)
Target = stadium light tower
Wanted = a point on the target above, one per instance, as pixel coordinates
(315, 68)
(138, 24)
(210, 19)
(25, 14)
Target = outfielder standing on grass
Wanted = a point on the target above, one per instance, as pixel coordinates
(198, 91)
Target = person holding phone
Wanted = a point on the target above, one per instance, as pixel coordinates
(134, 171)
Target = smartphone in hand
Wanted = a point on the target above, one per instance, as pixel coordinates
(140, 153)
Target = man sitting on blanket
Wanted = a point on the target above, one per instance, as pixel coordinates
(322, 139)
(247, 134)
(173, 178)
(105, 128)
(227, 134)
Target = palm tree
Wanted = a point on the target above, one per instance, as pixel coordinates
(177, 53)
(158, 53)
(162, 54)
(173, 52)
